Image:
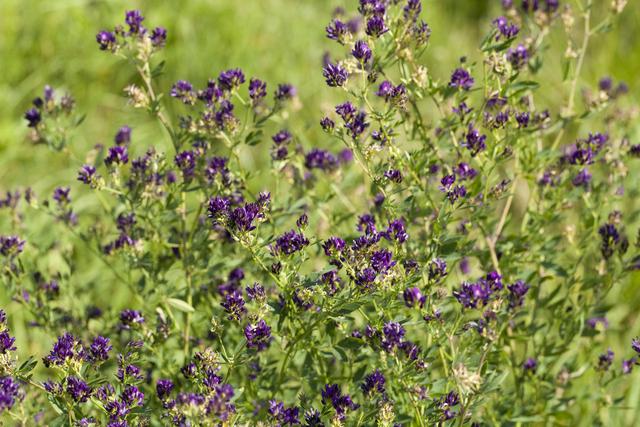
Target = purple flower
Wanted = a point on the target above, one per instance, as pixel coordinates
(464, 171)
(605, 360)
(285, 91)
(234, 305)
(335, 75)
(361, 51)
(11, 246)
(461, 79)
(518, 57)
(183, 90)
(396, 231)
(33, 117)
(186, 162)
(376, 26)
(337, 30)
(393, 334)
(9, 393)
(78, 389)
(412, 9)
(118, 155)
(257, 89)
(382, 260)
(132, 396)
(437, 269)
(610, 238)
(131, 317)
(635, 345)
(106, 40)
(505, 29)
(65, 348)
(474, 141)
(258, 335)
(134, 19)
(530, 365)
(99, 349)
(517, 292)
(320, 159)
(327, 124)
(290, 242)
(158, 36)
(123, 136)
(413, 296)
(627, 365)
(393, 175)
(582, 179)
(231, 79)
(6, 342)
(374, 382)
(87, 174)
(333, 246)
(163, 388)
(341, 403)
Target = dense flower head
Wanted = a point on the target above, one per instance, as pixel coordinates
(258, 335)
(335, 75)
(505, 29)
(234, 305)
(33, 116)
(106, 40)
(123, 136)
(117, 155)
(461, 79)
(376, 26)
(530, 365)
(6, 342)
(11, 246)
(340, 402)
(610, 238)
(78, 389)
(163, 388)
(605, 360)
(374, 382)
(320, 159)
(413, 296)
(473, 295)
(158, 36)
(133, 19)
(337, 30)
(131, 318)
(10, 393)
(99, 349)
(183, 90)
(519, 56)
(65, 348)
(285, 91)
(437, 269)
(231, 79)
(517, 292)
(361, 51)
(257, 89)
(290, 242)
(474, 141)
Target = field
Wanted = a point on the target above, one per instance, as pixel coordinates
(53, 42)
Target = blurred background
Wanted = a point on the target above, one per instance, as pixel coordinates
(53, 42)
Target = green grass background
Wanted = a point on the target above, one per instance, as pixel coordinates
(53, 42)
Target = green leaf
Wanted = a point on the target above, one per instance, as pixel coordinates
(180, 305)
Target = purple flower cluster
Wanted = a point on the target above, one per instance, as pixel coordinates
(478, 294)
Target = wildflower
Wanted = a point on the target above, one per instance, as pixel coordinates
(10, 393)
(78, 389)
(258, 335)
(231, 79)
(374, 382)
(530, 365)
(474, 141)
(134, 19)
(505, 29)
(10, 246)
(183, 90)
(290, 242)
(99, 349)
(335, 75)
(257, 89)
(413, 296)
(106, 40)
(376, 26)
(361, 51)
(158, 37)
(461, 79)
